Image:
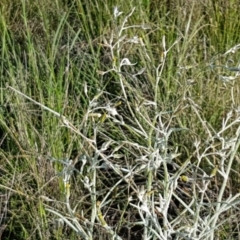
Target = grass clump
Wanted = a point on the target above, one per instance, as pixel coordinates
(119, 123)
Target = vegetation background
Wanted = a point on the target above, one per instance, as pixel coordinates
(115, 86)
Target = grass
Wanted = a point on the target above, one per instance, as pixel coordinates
(113, 118)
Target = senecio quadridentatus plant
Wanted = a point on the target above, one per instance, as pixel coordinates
(153, 204)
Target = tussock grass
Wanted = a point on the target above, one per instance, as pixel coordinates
(113, 119)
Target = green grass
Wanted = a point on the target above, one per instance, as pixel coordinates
(136, 101)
